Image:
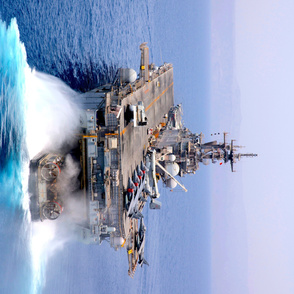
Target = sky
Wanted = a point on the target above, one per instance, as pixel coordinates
(252, 98)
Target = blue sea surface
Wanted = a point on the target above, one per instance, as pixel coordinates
(83, 43)
(14, 225)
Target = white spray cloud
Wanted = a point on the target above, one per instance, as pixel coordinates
(73, 199)
(67, 181)
(52, 116)
(52, 121)
(43, 245)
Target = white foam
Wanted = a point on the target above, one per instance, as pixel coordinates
(52, 118)
(43, 245)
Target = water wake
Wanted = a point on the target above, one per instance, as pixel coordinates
(51, 122)
(12, 145)
(37, 113)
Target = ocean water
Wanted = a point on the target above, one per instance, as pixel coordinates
(82, 42)
(14, 228)
(49, 50)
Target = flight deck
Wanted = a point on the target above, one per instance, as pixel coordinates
(158, 97)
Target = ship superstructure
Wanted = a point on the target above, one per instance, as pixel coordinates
(131, 136)
(190, 150)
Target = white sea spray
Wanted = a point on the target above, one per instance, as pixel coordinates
(37, 113)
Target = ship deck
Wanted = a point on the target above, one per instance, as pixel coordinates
(158, 98)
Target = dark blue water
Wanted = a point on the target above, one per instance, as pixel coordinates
(83, 43)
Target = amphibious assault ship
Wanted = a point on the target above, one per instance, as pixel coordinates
(131, 136)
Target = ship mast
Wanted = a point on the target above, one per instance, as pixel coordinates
(190, 150)
(221, 152)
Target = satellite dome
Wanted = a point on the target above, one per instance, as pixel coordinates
(118, 241)
(171, 157)
(127, 75)
(172, 168)
(170, 183)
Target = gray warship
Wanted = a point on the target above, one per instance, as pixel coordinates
(131, 136)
